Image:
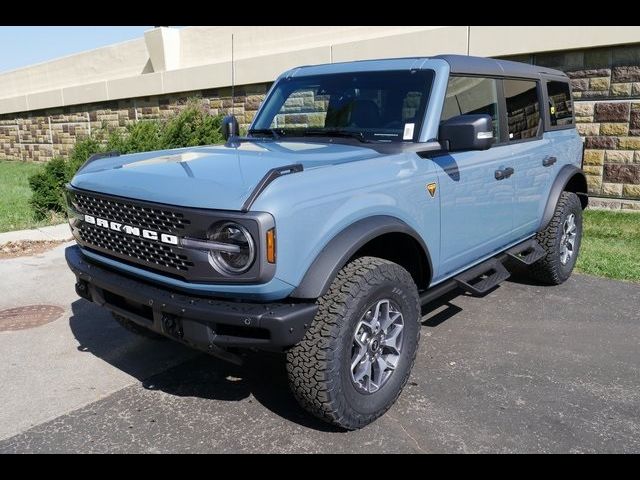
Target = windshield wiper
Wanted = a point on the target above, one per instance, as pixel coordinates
(327, 132)
(266, 131)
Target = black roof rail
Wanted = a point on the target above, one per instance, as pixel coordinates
(493, 66)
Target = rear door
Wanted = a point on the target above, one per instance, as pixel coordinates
(532, 152)
(560, 128)
(476, 208)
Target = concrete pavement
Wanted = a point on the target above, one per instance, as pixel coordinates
(525, 369)
(49, 370)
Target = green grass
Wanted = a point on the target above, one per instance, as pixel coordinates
(611, 245)
(15, 211)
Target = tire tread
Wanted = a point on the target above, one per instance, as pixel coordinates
(548, 269)
(312, 363)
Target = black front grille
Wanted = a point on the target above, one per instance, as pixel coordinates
(129, 242)
(139, 250)
(136, 248)
(153, 218)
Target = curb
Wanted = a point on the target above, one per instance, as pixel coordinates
(59, 232)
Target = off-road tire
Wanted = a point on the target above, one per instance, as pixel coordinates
(549, 269)
(135, 328)
(319, 366)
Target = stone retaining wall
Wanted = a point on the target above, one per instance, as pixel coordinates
(608, 114)
(612, 146)
(41, 135)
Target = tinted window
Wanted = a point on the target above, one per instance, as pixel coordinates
(523, 108)
(472, 95)
(560, 104)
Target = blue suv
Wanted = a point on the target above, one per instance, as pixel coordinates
(362, 192)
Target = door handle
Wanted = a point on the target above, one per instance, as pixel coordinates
(504, 173)
(548, 161)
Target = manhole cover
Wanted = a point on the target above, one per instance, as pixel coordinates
(21, 318)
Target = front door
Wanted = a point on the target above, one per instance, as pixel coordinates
(476, 208)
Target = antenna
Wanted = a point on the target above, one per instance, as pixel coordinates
(233, 80)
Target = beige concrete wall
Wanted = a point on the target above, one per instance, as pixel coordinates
(200, 45)
(424, 42)
(201, 56)
(513, 40)
(125, 59)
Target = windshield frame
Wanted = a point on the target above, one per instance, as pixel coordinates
(284, 134)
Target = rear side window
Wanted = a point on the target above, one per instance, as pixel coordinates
(523, 108)
(472, 95)
(560, 104)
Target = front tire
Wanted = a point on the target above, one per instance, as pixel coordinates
(358, 353)
(561, 240)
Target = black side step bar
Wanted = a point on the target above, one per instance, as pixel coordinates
(483, 277)
(526, 253)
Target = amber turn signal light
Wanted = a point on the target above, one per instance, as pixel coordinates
(271, 246)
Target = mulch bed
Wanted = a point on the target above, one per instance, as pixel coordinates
(27, 247)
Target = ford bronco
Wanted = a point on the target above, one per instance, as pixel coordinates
(361, 192)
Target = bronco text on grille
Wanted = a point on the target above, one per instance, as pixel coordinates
(133, 231)
(129, 213)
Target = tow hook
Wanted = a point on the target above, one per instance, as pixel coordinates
(82, 289)
(172, 325)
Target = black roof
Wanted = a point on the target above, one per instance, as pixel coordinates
(491, 66)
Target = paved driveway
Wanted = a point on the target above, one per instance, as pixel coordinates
(525, 369)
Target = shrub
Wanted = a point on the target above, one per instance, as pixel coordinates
(192, 126)
(143, 136)
(82, 150)
(48, 188)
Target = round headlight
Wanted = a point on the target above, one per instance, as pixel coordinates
(232, 262)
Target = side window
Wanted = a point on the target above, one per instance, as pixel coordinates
(560, 104)
(472, 95)
(523, 108)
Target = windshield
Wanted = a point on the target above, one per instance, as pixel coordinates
(385, 106)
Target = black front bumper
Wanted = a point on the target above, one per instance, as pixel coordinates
(200, 322)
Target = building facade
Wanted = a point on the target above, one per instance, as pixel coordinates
(45, 108)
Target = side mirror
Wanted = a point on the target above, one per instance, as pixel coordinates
(230, 127)
(467, 132)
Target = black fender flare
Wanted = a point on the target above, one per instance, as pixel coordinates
(569, 175)
(337, 252)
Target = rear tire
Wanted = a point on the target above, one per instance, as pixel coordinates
(358, 353)
(561, 240)
(135, 328)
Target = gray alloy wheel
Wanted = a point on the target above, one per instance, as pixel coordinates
(568, 239)
(561, 240)
(377, 345)
(357, 355)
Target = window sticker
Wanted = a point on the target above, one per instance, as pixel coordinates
(408, 131)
